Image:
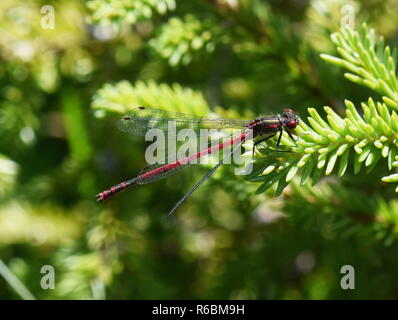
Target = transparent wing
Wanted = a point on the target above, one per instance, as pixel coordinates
(154, 172)
(142, 119)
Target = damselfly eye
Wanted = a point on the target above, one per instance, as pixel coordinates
(292, 124)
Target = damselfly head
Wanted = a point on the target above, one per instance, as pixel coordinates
(286, 112)
(290, 119)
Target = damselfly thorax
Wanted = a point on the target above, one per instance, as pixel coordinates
(268, 125)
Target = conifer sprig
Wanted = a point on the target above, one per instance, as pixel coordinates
(361, 140)
(116, 12)
(123, 96)
(370, 63)
(343, 211)
(181, 40)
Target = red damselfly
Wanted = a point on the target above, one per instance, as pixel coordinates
(143, 119)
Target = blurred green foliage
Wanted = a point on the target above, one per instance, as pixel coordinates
(62, 89)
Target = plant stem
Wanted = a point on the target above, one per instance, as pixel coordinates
(14, 282)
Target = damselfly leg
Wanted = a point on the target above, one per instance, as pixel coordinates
(278, 143)
(262, 140)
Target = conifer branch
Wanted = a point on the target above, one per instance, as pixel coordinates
(116, 12)
(370, 63)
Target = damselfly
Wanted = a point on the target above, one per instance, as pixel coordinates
(143, 119)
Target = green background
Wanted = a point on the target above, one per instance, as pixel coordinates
(59, 148)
